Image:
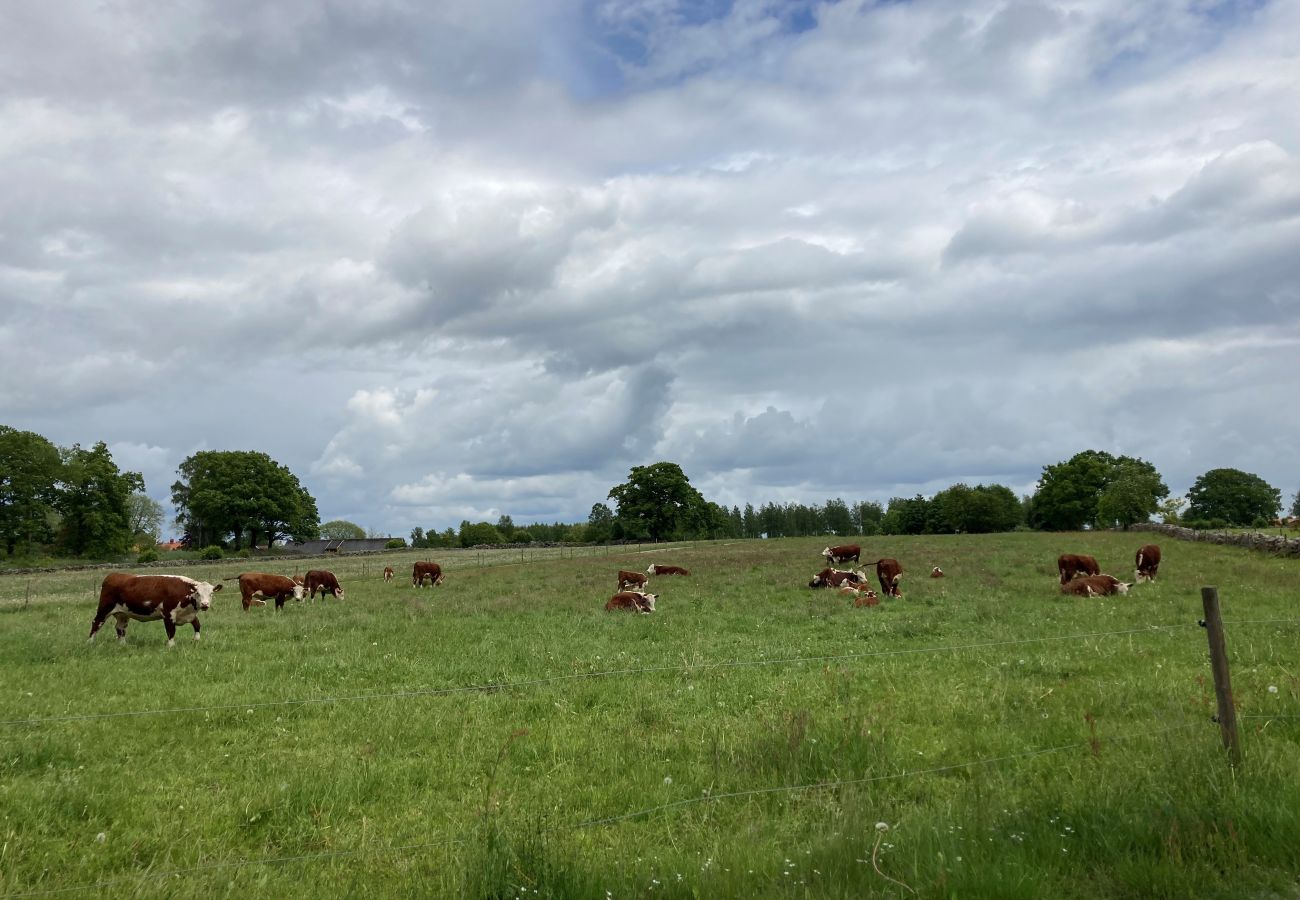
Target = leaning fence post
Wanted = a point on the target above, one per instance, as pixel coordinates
(1227, 717)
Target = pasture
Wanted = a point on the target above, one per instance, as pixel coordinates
(503, 736)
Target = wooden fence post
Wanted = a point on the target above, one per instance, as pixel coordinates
(1227, 717)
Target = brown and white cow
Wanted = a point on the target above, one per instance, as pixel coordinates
(630, 579)
(827, 578)
(936, 572)
(388, 574)
(867, 597)
(1148, 562)
(324, 581)
(254, 586)
(1070, 565)
(888, 573)
(429, 570)
(842, 554)
(638, 601)
(658, 569)
(1094, 586)
(175, 599)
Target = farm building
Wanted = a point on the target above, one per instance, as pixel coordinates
(348, 545)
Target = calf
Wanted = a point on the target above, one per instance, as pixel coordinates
(835, 578)
(936, 572)
(256, 585)
(638, 601)
(323, 580)
(657, 569)
(867, 598)
(429, 570)
(888, 572)
(1094, 586)
(842, 554)
(1148, 562)
(388, 574)
(630, 579)
(175, 599)
(1070, 564)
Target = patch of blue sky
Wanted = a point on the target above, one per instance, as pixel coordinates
(1215, 21)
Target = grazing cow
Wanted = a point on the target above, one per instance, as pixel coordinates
(630, 579)
(388, 574)
(175, 599)
(1148, 562)
(888, 572)
(842, 554)
(936, 572)
(1070, 564)
(657, 569)
(1094, 586)
(835, 578)
(323, 581)
(867, 598)
(638, 601)
(429, 570)
(254, 586)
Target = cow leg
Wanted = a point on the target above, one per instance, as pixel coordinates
(122, 620)
(279, 602)
(170, 624)
(195, 623)
(101, 615)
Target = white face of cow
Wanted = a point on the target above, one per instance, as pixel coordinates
(651, 570)
(298, 590)
(650, 601)
(203, 594)
(1122, 587)
(339, 592)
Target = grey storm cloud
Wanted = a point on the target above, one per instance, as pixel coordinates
(463, 259)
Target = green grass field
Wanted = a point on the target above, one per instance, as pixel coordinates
(503, 736)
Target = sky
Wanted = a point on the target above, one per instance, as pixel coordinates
(455, 260)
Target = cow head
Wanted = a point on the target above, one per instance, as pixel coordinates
(936, 572)
(817, 581)
(202, 594)
(649, 602)
(652, 570)
(1122, 587)
(338, 592)
(830, 557)
(298, 590)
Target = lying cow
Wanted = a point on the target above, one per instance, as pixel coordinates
(630, 579)
(866, 597)
(842, 554)
(175, 599)
(1148, 562)
(1070, 565)
(1094, 586)
(323, 581)
(657, 569)
(827, 578)
(888, 573)
(388, 574)
(936, 572)
(638, 601)
(429, 570)
(256, 587)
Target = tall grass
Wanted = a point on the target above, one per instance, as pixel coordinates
(675, 775)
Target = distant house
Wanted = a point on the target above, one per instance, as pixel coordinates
(349, 545)
(172, 544)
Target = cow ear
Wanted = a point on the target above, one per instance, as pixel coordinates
(217, 587)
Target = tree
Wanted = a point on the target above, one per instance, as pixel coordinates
(506, 526)
(600, 524)
(418, 539)
(29, 474)
(837, 517)
(1132, 496)
(94, 502)
(1069, 492)
(230, 492)
(982, 509)
(1236, 497)
(341, 529)
(658, 502)
(1295, 504)
(869, 514)
(144, 519)
(479, 533)
(1169, 508)
(905, 516)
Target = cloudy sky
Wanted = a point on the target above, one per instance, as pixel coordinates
(451, 260)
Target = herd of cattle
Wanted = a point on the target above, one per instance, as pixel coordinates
(177, 600)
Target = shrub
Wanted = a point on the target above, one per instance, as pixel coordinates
(396, 544)
(244, 553)
(147, 556)
(213, 552)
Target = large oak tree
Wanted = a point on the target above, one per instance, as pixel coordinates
(230, 493)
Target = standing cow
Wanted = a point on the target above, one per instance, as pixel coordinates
(1070, 565)
(1148, 562)
(388, 574)
(888, 573)
(175, 599)
(836, 555)
(323, 581)
(255, 586)
(429, 570)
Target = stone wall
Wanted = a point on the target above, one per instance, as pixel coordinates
(1268, 543)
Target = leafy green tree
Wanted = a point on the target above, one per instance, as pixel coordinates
(230, 492)
(1234, 496)
(1295, 504)
(29, 473)
(1069, 492)
(600, 524)
(341, 529)
(982, 509)
(144, 517)
(1169, 509)
(94, 502)
(1132, 496)
(479, 533)
(837, 517)
(506, 526)
(905, 516)
(418, 540)
(658, 502)
(868, 515)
